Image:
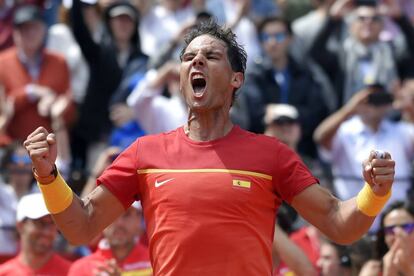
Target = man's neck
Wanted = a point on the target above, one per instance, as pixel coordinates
(280, 63)
(208, 126)
(121, 252)
(34, 261)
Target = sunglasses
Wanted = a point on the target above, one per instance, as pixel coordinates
(279, 37)
(21, 159)
(407, 227)
(375, 18)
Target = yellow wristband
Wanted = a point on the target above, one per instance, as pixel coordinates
(57, 195)
(369, 203)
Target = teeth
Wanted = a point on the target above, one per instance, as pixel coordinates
(197, 76)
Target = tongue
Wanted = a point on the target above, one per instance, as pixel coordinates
(198, 90)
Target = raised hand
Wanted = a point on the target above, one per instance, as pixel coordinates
(42, 149)
(379, 172)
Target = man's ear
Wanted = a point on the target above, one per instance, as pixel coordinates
(19, 227)
(238, 79)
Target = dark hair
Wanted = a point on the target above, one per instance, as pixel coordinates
(382, 247)
(235, 52)
(270, 19)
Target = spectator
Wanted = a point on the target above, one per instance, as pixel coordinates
(60, 39)
(116, 64)
(120, 250)
(16, 182)
(404, 101)
(281, 121)
(288, 257)
(32, 76)
(359, 126)
(361, 58)
(37, 235)
(334, 259)
(279, 79)
(152, 110)
(162, 23)
(396, 239)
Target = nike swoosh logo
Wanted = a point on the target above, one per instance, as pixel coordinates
(158, 184)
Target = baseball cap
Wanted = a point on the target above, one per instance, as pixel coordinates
(137, 205)
(123, 9)
(280, 113)
(31, 206)
(26, 14)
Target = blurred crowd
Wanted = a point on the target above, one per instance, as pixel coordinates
(333, 79)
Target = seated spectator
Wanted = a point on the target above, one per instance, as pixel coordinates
(362, 58)
(281, 121)
(30, 75)
(278, 78)
(334, 259)
(360, 126)
(396, 239)
(37, 236)
(120, 251)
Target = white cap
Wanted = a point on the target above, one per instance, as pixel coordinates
(122, 10)
(278, 111)
(137, 205)
(31, 206)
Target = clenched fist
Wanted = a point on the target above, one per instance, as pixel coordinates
(42, 149)
(379, 172)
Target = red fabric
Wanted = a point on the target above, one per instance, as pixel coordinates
(54, 73)
(310, 245)
(137, 262)
(56, 266)
(199, 221)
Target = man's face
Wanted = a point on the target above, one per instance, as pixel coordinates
(328, 261)
(37, 235)
(122, 232)
(20, 169)
(207, 80)
(367, 25)
(29, 36)
(288, 133)
(398, 218)
(122, 27)
(275, 40)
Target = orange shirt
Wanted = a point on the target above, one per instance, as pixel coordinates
(209, 207)
(56, 266)
(136, 263)
(54, 73)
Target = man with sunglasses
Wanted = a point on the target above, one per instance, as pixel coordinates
(396, 239)
(362, 57)
(279, 79)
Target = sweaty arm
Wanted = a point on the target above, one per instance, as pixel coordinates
(346, 221)
(79, 220)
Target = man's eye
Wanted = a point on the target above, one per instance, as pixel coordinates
(188, 57)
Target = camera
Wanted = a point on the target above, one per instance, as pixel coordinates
(379, 95)
(365, 2)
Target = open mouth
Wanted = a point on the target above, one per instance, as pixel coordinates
(199, 85)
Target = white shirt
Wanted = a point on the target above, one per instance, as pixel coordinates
(154, 112)
(352, 145)
(159, 26)
(8, 205)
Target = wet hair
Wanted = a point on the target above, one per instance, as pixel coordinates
(382, 247)
(235, 52)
